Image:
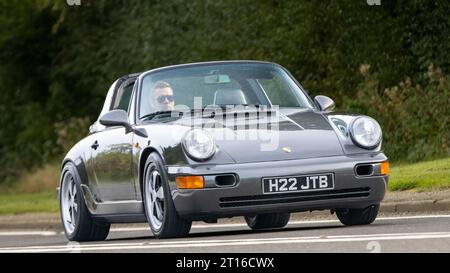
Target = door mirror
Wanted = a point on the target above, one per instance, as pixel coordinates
(120, 118)
(115, 118)
(325, 103)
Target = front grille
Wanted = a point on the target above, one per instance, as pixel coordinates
(241, 201)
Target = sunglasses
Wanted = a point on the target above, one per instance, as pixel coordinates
(163, 98)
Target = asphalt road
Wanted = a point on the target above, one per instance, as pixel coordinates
(418, 233)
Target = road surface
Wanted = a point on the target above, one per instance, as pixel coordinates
(394, 233)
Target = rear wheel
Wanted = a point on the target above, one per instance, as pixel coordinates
(76, 219)
(351, 217)
(269, 220)
(159, 208)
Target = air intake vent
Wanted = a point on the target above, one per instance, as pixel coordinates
(242, 201)
(364, 170)
(226, 180)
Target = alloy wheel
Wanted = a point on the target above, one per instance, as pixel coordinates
(69, 203)
(155, 199)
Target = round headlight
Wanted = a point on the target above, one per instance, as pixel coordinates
(365, 132)
(199, 145)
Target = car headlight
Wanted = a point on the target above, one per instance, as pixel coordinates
(199, 145)
(365, 132)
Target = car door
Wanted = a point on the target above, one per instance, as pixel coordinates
(111, 153)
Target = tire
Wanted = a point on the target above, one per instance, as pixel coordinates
(160, 211)
(269, 220)
(352, 217)
(71, 199)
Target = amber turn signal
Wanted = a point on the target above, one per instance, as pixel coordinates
(385, 168)
(190, 182)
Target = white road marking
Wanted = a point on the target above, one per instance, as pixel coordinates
(232, 242)
(202, 226)
(207, 226)
(414, 217)
(28, 233)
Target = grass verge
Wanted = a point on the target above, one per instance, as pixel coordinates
(422, 176)
(34, 191)
(17, 203)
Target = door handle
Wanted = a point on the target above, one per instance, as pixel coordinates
(95, 145)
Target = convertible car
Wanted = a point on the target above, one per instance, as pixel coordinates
(203, 141)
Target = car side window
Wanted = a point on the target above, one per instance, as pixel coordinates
(123, 96)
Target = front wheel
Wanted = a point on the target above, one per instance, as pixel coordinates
(351, 217)
(76, 219)
(269, 220)
(159, 208)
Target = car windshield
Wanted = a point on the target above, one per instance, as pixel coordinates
(219, 84)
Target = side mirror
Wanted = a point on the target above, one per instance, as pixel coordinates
(325, 103)
(115, 118)
(120, 118)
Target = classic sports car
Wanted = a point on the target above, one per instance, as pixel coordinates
(202, 141)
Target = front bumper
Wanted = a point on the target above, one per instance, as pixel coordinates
(246, 198)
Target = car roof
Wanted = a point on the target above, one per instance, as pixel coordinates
(207, 63)
(137, 74)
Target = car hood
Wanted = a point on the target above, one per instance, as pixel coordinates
(285, 135)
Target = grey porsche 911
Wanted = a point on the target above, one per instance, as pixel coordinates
(203, 141)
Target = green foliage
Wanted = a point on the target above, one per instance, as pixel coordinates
(26, 52)
(70, 132)
(415, 119)
(57, 61)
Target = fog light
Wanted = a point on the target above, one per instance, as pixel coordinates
(190, 182)
(385, 168)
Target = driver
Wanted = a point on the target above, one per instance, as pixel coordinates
(161, 97)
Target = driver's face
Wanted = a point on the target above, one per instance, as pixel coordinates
(162, 99)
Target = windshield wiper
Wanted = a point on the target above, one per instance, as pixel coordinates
(206, 111)
(159, 114)
(227, 106)
(170, 113)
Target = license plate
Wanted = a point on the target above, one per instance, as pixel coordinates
(313, 182)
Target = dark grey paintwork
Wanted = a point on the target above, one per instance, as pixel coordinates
(115, 118)
(110, 162)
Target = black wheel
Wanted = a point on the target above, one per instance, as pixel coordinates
(269, 220)
(351, 217)
(159, 208)
(76, 219)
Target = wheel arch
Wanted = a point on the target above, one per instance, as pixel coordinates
(81, 174)
(79, 166)
(142, 160)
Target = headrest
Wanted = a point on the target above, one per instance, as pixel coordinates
(229, 96)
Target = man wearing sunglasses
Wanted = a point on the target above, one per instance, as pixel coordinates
(162, 97)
